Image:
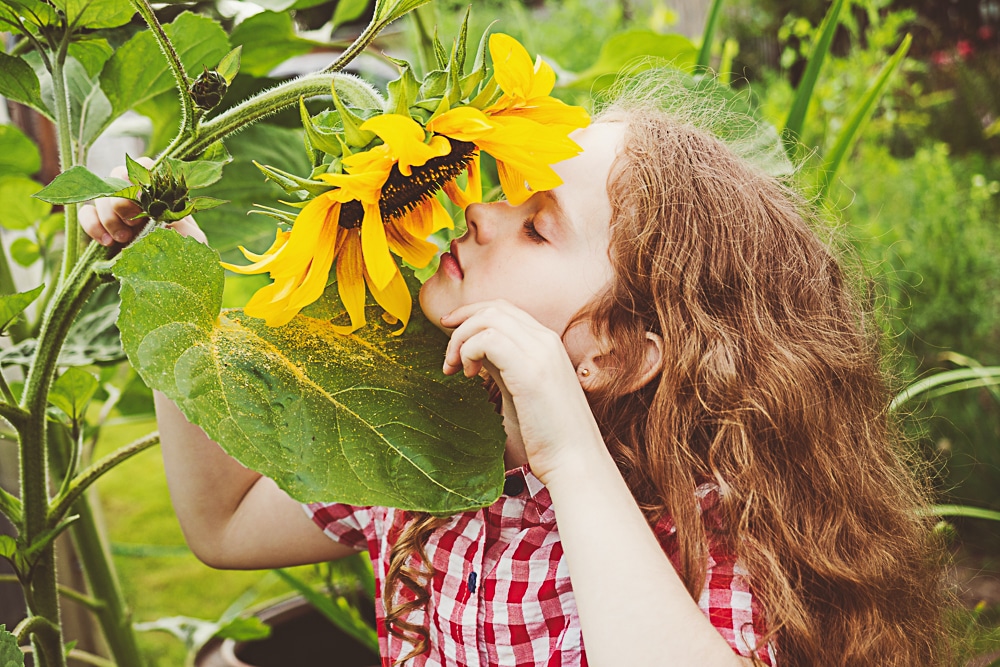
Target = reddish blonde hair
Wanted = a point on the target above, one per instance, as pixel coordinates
(771, 387)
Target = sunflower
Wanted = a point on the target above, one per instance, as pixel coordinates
(383, 203)
(526, 129)
(359, 223)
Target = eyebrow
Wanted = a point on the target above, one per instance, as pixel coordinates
(559, 210)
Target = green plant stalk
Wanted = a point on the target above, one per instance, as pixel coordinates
(856, 123)
(946, 377)
(114, 617)
(41, 593)
(61, 506)
(366, 37)
(64, 591)
(176, 66)
(965, 511)
(66, 156)
(817, 54)
(708, 35)
(264, 104)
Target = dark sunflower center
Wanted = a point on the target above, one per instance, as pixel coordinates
(401, 194)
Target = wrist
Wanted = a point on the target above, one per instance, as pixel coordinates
(575, 462)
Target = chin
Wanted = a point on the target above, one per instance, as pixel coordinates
(431, 303)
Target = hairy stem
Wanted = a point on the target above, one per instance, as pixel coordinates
(66, 155)
(176, 66)
(87, 477)
(271, 101)
(76, 596)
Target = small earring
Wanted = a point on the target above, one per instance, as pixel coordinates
(585, 372)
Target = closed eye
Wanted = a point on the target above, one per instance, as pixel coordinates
(531, 232)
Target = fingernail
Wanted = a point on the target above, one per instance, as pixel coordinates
(105, 239)
(446, 316)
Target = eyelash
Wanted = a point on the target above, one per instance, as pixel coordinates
(531, 232)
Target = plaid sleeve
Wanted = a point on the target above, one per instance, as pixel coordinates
(347, 524)
(726, 598)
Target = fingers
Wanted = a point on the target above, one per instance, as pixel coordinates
(188, 227)
(112, 219)
(498, 332)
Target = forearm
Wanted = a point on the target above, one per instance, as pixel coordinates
(206, 484)
(634, 609)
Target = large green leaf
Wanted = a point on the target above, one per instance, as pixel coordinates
(18, 153)
(137, 71)
(12, 305)
(20, 209)
(367, 419)
(19, 82)
(92, 54)
(78, 184)
(268, 39)
(96, 13)
(636, 49)
(10, 653)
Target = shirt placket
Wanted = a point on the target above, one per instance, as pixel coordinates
(471, 607)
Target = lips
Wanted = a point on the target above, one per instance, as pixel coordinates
(450, 262)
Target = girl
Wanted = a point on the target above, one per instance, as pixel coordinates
(700, 466)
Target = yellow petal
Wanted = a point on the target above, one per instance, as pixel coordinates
(543, 81)
(375, 247)
(269, 303)
(512, 66)
(415, 251)
(315, 280)
(440, 219)
(473, 191)
(280, 238)
(292, 255)
(462, 123)
(395, 299)
(405, 137)
(512, 182)
(351, 281)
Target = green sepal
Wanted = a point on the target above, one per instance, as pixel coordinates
(217, 152)
(479, 64)
(229, 66)
(443, 107)
(174, 216)
(353, 133)
(196, 173)
(458, 52)
(137, 173)
(276, 213)
(12, 305)
(440, 54)
(131, 192)
(434, 84)
(403, 91)
(453, 93)
(291, 183)
(470, 82)
(490, 93)
(205, 203)
(318, 139)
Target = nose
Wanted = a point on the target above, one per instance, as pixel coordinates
(486, 221)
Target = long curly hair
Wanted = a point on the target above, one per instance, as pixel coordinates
(771, 387)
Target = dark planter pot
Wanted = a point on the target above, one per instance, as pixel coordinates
(300, 636)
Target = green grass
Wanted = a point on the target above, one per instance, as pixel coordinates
(136, 510)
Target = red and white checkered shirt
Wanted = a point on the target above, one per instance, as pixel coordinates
(501, 592)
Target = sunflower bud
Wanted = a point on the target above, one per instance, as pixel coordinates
(208, 89)
(164, 194)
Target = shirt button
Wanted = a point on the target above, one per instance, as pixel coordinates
(513, 485)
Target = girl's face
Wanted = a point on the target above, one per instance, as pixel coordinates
(548, 256)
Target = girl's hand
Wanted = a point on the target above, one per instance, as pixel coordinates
(545, 408)
(110, 219)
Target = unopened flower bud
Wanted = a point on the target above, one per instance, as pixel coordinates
(208, 89)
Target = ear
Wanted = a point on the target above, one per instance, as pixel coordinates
(591, 363)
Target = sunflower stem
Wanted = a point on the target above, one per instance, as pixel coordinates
(271, 101)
